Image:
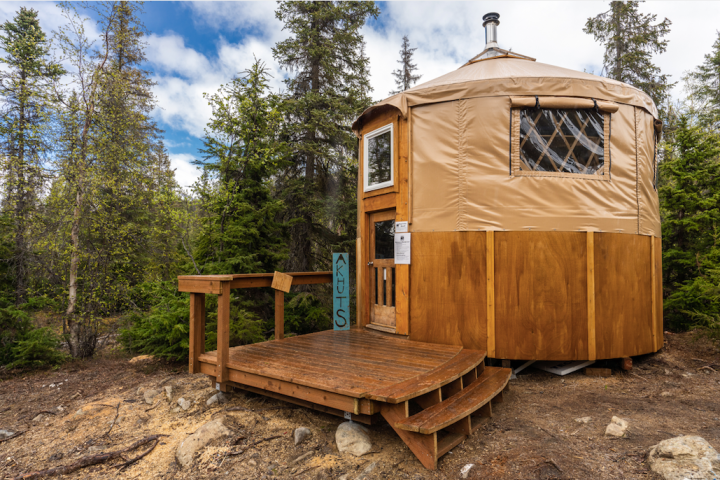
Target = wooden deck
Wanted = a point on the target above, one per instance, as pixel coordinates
(359, 374)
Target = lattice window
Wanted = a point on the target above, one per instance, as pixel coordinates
(560, 142)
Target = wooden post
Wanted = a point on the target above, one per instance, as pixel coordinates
(402, 213)
(279, 314)
(592, 348)
(654, 294)
(490, 287)
(197, 330)
(223, 332)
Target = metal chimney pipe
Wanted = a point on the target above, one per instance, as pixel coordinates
(490, 22)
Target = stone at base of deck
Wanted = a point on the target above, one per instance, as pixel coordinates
(363, 374)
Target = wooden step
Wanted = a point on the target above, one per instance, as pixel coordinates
(459, 406)
(465, 361)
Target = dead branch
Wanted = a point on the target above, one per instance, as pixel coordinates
(123, 466)
(117, 412)
(641, 378)
(16, 434)
(153, 407)
(88, 461)
(241, 451)
(708, 367)
(306, 470)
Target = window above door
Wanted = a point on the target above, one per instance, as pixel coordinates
(378, 154)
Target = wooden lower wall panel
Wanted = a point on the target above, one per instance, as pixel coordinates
(623, 295)
(447, 289)
(658, 293)
(541, 295)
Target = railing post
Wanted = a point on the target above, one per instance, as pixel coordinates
(279, 314)
(223, 332)
(197, 330)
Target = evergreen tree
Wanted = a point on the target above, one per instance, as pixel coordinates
(24, 124)
(630, 39)
(114, 189)
(240, 231)
(704, 84)
(329, 89)
(404, 78)
(690, 199)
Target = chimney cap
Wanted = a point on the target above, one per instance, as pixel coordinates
(491, 17)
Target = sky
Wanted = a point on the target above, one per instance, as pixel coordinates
(194, 47)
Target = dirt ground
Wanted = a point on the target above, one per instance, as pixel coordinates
(533, 434)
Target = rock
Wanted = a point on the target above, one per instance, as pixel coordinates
(617, 427)
(300, 434)
(142, 359)
(344, 476)
(687, 457)
(668, 372)
(212, 400)
(150, 395)
(465, 471)
(364, 474)
(140, 391)
(6, 434)
(184, 404)
(252, 463)
(168, 392)
(209, 432)
(666, 394)
(224, 397)
(583, 419)
(38, 418)
(352, 437)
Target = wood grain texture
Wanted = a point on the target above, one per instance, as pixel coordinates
(590, 252)
(223, 333)
(490, 290)
(279, 314)
(653, 292)
(402, 209)
(659, 330)
(382, 202)
(197, 330)
(424, 447)
(623, 283)
(281, 281)
(541, 295)
(447, 289)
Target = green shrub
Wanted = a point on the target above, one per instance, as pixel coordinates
(305, 313)
(14, 325)
(39, 347)
(164, 330)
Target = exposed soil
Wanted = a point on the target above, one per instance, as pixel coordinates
(533, 434)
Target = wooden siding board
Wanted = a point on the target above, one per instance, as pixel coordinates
(447, 289)
(541, 295)
(623, 315)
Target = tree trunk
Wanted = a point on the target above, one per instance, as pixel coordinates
(74, 257)
(20, 260)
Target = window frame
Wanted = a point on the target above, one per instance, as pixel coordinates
(366, 138)
(516, 162)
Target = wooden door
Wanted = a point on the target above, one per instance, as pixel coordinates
(382, 268)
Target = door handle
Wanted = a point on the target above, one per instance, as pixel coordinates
(370, 264)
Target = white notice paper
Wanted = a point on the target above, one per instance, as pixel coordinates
(402, 249)
(401, 227)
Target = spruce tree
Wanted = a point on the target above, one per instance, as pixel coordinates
(690, 202)
(329, 88)
(630, 39)
(704, 84)
(404, 77)
(24, 126)
(243, 153)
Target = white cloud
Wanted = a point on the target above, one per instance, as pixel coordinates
(183, 75)
(185, 172)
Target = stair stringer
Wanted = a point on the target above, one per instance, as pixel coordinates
(423, 446)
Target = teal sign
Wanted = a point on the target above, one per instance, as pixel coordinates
(341, 291)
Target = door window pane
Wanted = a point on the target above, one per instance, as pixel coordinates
(385, 239)
(379, 158)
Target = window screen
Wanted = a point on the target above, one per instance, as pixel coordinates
(560, 142)
(378, 162)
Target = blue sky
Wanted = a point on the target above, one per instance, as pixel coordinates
(196, 46)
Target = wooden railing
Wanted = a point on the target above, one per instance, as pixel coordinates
(220, 285)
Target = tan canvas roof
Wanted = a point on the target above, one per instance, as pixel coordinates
(506, 75)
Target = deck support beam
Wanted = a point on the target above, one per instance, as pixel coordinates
(223, 334)
(197, 330)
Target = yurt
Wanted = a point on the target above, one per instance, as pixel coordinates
(511, 206)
